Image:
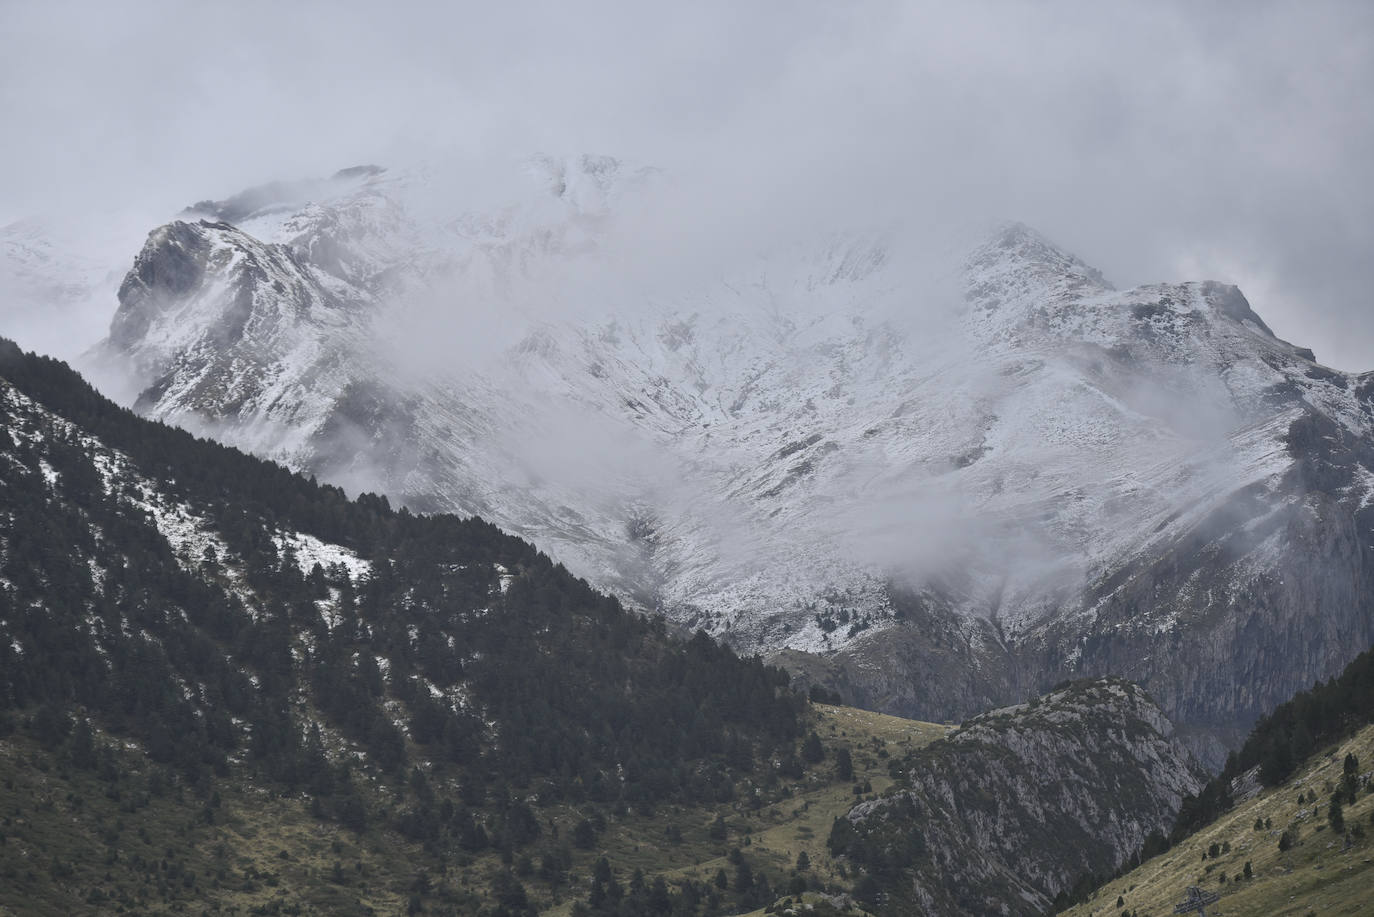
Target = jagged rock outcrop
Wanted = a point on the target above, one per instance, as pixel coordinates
(1021, 802)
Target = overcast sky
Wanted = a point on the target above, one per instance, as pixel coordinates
(1158, 141)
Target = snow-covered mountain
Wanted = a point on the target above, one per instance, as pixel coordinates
(935, 504)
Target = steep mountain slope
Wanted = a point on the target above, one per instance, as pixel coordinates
(1009, 811)
(952, 506)
(1276, 853)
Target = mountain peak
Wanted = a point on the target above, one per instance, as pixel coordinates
(1016, 273)
(1018, 247)
(771, 440)
(1229, 301)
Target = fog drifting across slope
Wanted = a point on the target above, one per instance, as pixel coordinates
(892, 507)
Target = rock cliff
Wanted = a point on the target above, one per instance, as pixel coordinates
(1019, 803)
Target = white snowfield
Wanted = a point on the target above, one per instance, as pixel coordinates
(762, 454)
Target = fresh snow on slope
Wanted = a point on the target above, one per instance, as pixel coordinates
(310, 551)
(762, 454)
(189, 534)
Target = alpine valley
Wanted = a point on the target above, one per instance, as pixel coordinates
(459, 549)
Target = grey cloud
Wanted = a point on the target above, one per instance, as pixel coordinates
(1158, 140)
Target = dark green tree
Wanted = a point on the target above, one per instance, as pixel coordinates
(812, 751)
(1335, 816)
(844, 764)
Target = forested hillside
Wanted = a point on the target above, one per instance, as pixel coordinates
(1298, 848)
(176, 610)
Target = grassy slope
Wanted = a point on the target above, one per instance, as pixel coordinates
(62, 837)
(1317, 876)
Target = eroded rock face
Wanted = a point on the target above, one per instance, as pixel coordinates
(1247, 638)
(170, 268)
(1021, 802)
(217, 326)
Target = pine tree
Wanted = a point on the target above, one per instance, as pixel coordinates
(1335, 816)
(812, 751)
(844, 765)
(744, 878)
(83, 746)
(584, 835)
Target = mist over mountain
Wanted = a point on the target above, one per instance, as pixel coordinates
(935, 483)
(588, 458)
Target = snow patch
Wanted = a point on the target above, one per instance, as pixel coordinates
(310, 551)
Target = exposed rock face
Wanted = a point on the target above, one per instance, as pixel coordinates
(226, 326)
(1056, 479)
(1248, 633)
(1021, 802)
(170, 267)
